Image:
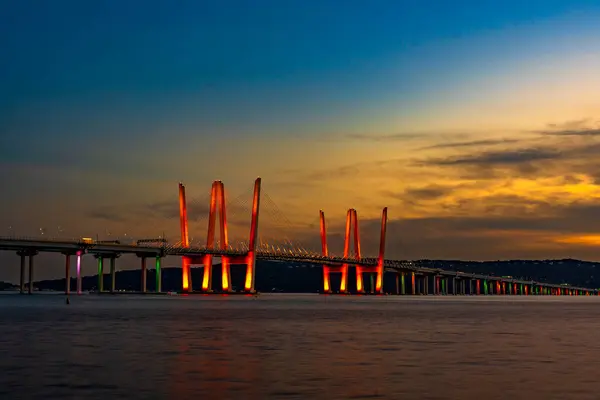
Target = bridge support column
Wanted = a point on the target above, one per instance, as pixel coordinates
(402, 283)
(100, 274)
(113, 275)
(158, 275)
(454, 286)
(253, 240)
(22, 282)
(425, 285)
(67, 274)
(78, 273)
(30, 290)
(143, 283)
(397, 284)
(413, 284)
(436, 286)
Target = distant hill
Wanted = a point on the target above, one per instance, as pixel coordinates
(307, 278)
(8, 286)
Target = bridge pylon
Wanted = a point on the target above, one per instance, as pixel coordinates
(185, 240)
(351, 226)
(218, 206)
(352, 232)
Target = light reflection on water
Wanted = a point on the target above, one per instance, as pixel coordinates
(299, 346)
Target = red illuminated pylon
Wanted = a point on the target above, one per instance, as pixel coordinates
(217, 199)
(218, 204)
(353, 230)
(185, 241)
(251, 256)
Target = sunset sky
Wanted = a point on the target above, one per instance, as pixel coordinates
(476, 122)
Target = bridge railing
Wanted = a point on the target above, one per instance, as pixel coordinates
(45, 239)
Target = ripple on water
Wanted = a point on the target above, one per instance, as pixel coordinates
(298, 347)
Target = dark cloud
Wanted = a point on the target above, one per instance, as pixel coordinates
(430, 192)
(572, 132)
(504, 157)
(473, 143)
(485, 237)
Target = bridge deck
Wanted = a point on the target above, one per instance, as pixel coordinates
(98, 248)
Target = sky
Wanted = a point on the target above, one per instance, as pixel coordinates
(476, 122)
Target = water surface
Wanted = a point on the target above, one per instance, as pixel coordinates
(299, 346)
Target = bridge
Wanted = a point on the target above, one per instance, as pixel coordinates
(410, 278)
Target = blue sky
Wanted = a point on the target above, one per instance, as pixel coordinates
(110, 102)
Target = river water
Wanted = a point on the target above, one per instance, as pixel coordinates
(299, 347)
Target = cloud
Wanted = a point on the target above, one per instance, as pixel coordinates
(430, 192)
(473, 143)
(580, 127)
(503, 157)
(520, 234)
(571, 125)
(571, 132)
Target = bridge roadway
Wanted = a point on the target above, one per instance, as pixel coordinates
(32, 246)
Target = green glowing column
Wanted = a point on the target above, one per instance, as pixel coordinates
(444, 286)
(402, 286)
(113, 272)
(158, 275)
(372, 281)
(100, 274)
(485, 286)
(522, 289)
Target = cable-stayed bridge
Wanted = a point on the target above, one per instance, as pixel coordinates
(410, 278)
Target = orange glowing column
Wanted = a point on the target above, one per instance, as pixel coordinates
(225, 271)
(251, 257)
(324, 252)
(185, 242)
(359, 273)
(210, 238)
(381, 259)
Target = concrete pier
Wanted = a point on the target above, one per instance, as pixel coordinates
(67, 273)
(78, 273)
(143, 283)
(403, 283)
(30, 290)
(113, 274)
(100, 273)
(159, 275)
(22, 281)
